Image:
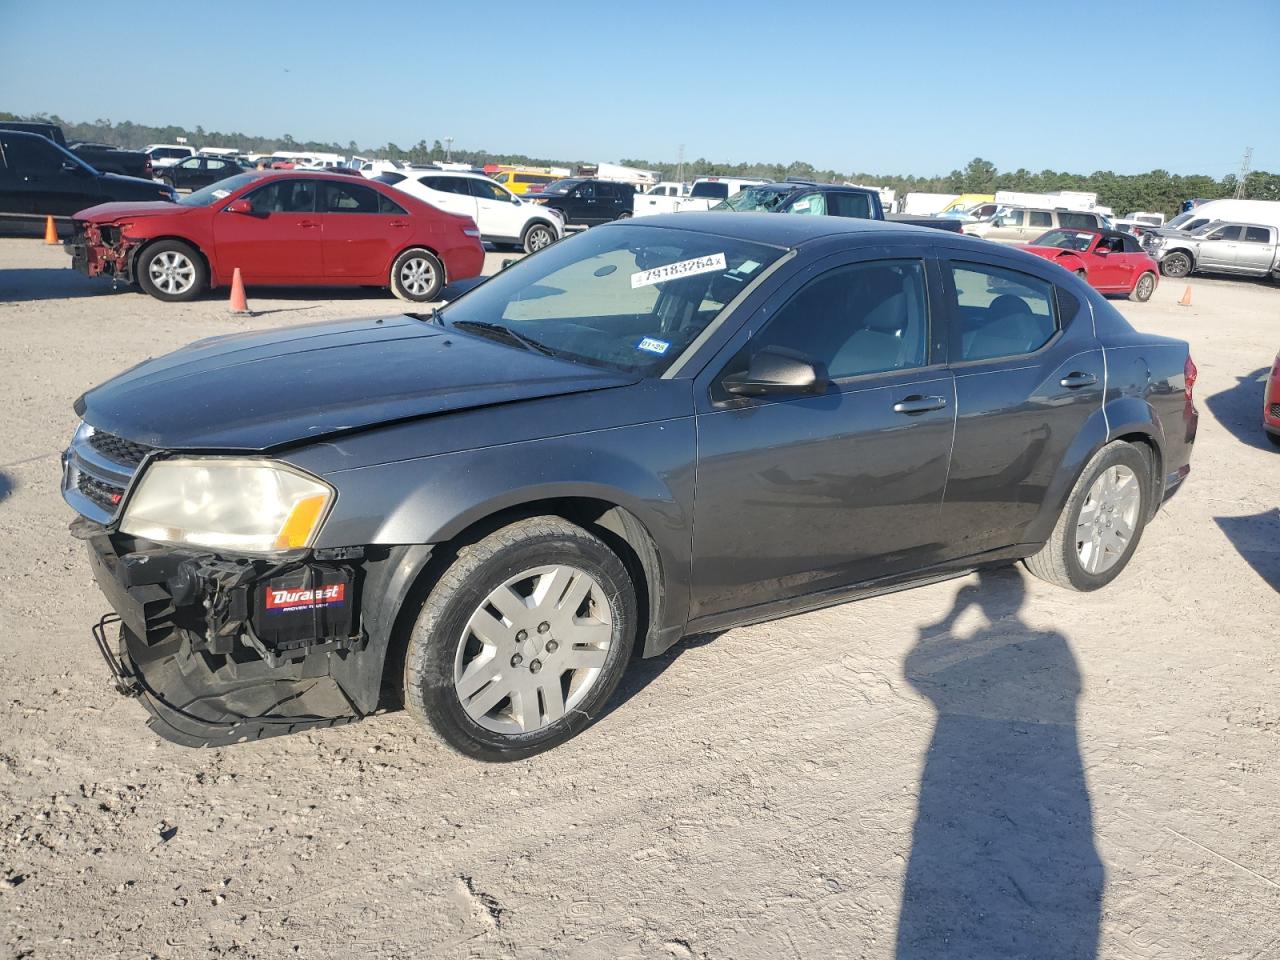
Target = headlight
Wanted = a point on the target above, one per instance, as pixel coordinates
(241, 506)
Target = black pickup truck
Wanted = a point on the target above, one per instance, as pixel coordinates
(101, 156)
(822, 199)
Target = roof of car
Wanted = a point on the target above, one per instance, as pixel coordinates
(785, 230)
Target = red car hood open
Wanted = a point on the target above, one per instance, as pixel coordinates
(108, 212)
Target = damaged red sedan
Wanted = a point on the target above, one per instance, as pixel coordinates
(1107, 260)
(281, 228)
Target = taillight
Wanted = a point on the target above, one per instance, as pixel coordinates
(1189, 374)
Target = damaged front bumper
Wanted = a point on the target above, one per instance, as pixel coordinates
(221, 650)
(96, 249)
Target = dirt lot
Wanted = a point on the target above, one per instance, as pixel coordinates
(755, 796)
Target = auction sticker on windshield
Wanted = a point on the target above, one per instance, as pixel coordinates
(684, 268)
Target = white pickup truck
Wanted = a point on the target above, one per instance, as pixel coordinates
(705, 194)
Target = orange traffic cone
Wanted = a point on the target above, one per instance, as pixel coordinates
(50, 231)
(238, 302)
(1185, 299)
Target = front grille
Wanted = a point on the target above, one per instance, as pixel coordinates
(118, 449)
(105, 495)
(1275, 411)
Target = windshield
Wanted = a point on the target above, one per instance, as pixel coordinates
(626, 297)
(207, 196)
(560, 186)
(1066, 239)
(752, 199)
(710, 188)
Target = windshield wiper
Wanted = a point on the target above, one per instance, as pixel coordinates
(500, 332)
(432, 317)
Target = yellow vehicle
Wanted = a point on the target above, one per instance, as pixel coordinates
(517, 181)
(967, 200)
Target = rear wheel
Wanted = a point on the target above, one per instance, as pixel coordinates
(1143, 289)
(417, 276)
(522, 641)
(172, 271)
(1176, 265)
(624, 215)
(1101, 523)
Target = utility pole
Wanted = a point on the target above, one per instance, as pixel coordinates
(448, 149)
(1244, 172)
(680, 165)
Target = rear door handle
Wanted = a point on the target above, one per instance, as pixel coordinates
(1076, 380)
(918, 404)
(307, 223)
(399, 223)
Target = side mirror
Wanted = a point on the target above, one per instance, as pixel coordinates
(775, 371)
(240, 206)
(1102, 252)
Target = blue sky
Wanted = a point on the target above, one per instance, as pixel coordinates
(894, 88)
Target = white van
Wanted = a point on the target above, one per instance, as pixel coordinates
(1264, 212)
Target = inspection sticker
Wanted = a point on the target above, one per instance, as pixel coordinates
(653, 346)
(685, 268)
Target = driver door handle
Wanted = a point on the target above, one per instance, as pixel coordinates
(1074, 381)
(919, 404)
(307, 223)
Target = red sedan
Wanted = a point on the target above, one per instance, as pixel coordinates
(1271, 404)
(1110, 261)
(283, 228)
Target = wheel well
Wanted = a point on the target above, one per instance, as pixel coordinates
(618, 527)
(444, 268)
(1155, 464)
(1182, 250)
(152, 241)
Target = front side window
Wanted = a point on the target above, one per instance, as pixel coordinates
(1011, 218)
(1226, 233)
(809, 203)
(35, 155)
(285, 196)
(487, 190)
(1039, 218)
(1066, 240)
(999, 312)
(857, 319)
(629, 298)
(348, 198)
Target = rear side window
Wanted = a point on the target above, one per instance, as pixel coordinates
(857, 205)
(1078, 221)
(447, 185)
(348, 198)
(1041, 218)
(1257, 235)
(999, 312)
(387, 205)
(857, 319)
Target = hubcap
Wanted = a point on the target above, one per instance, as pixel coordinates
(172, 272)
(417, 275)
(1108, 519)
(1144, 286)
(533, 650)
(539, 237)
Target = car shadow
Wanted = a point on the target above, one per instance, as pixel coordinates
(642, 672)
(1257, 539)
(54, 283)
(1003, 862)
(1239, 408)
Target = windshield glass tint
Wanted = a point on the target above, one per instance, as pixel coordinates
(707, 188)
(218, 191)
(1066, 239)
(754, 199)
(560, 186)
(631, 298)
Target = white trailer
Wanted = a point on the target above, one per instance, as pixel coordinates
(926, 204)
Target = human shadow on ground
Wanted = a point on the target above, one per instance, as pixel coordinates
(1257, 538)
(1003, 862)
(6, 486)
(1239, 408)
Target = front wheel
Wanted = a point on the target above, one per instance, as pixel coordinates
(538, 235)
(1176, 265)
(624, 215)
(1143, 289)
(172, 271)
(1101, 522)
(417, 276)
(522, 641)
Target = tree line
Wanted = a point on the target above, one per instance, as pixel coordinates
(1155, 190)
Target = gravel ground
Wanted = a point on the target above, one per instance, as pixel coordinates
(1097, 774)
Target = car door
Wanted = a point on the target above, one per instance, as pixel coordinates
(1256, 251)
(45, 180)
(279, 241)
(1035, 223)
(1220, 248)
(799, 494)
(1108, 268)
(582, 205)
(1029, 373)
(185, 174)
(499, 215)
(358, 238)
(214, 169)
(1008, 226)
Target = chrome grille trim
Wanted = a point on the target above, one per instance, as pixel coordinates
(85, 467)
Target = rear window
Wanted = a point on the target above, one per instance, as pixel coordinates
(715, 190)
(389, 178)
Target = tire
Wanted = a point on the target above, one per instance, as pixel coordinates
(1065, 559)
(513, 715)
(1143, 289)
(1273, 437)
(172, 271)
(537, 236)
(1176, 265)
(625, 215)
(417, 276)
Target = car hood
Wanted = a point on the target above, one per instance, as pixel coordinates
(259, 391)
(132, 210)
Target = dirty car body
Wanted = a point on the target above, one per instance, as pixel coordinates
(416, 436)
